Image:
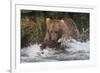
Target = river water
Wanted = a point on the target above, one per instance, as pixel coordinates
(76, 51)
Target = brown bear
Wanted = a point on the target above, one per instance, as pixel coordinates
(59, 31)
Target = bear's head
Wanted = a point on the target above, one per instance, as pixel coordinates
(55, 28)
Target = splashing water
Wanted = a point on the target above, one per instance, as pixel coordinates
(76, 51)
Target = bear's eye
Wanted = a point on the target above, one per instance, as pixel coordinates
(55, 31)
(51, 31)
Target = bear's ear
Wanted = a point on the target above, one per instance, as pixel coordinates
(48, 20)
(62, 21)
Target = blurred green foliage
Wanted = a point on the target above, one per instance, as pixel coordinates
(33, 24)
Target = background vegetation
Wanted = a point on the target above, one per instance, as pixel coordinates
(33, 25)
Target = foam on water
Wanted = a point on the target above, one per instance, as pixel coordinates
(76, 51)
